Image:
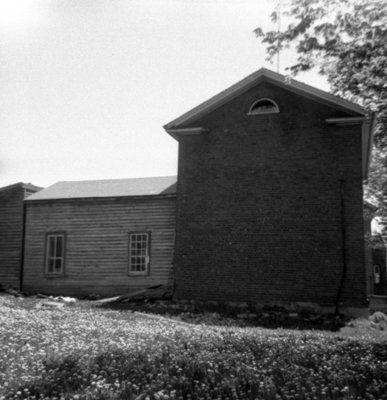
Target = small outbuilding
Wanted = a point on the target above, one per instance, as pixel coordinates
(102, 237)
(11, 231)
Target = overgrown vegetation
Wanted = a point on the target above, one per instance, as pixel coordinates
(85, 353)
(346, 40)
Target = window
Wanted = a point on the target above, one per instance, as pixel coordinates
(55, 247)
(263, 106)
(139, 253)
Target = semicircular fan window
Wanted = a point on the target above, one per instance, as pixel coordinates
(264, 106)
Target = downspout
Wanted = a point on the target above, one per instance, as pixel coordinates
(21, 275)
(344, 248)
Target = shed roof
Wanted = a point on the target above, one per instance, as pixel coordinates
(108, 188)
(28, 186)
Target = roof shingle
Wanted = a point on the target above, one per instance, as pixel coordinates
(108, 188)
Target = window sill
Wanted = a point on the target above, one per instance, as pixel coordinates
(138, 274)
(53, 276)
(262, 113)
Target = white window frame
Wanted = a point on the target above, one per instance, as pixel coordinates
(139, 256)
(256, 103)
(55, 257)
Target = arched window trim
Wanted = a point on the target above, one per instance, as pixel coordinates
(275, 111)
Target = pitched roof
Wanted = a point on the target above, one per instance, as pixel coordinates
(245, 84)
(28, 186)
(108, 188)
(178, 127)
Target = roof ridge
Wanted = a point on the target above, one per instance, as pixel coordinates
(116, 179)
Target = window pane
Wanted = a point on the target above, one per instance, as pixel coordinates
(51, 246)
(50, 265)
(264, 106)
(58, 265)
(59, 246)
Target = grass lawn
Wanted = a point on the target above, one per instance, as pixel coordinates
(81, 352)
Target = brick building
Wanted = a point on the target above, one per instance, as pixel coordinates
(268, 207)
(269, 199)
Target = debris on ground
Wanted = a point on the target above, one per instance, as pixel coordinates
(11, 290)
(50, 304)
(367, 327)
(41, 296)
(377, 317)
(55, 301)
(151, 292)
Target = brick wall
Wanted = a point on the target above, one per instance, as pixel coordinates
(259, 205)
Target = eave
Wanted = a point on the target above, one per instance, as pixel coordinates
(98, 198)
(182, 132)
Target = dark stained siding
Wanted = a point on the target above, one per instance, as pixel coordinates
(11, 225)
(96, 257)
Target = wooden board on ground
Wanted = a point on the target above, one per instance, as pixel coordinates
(147, 292)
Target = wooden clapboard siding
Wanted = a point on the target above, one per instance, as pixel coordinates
(97, 241)
(11, 231)
(11, 227)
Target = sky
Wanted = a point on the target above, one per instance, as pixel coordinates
(86, 85)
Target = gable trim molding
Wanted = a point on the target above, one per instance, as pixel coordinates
(178, 133)
(264, 74)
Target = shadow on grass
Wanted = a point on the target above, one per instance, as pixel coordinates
(95, 379)
(223, 315)
(244, 369)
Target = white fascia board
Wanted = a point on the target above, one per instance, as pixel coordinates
(177, 133)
